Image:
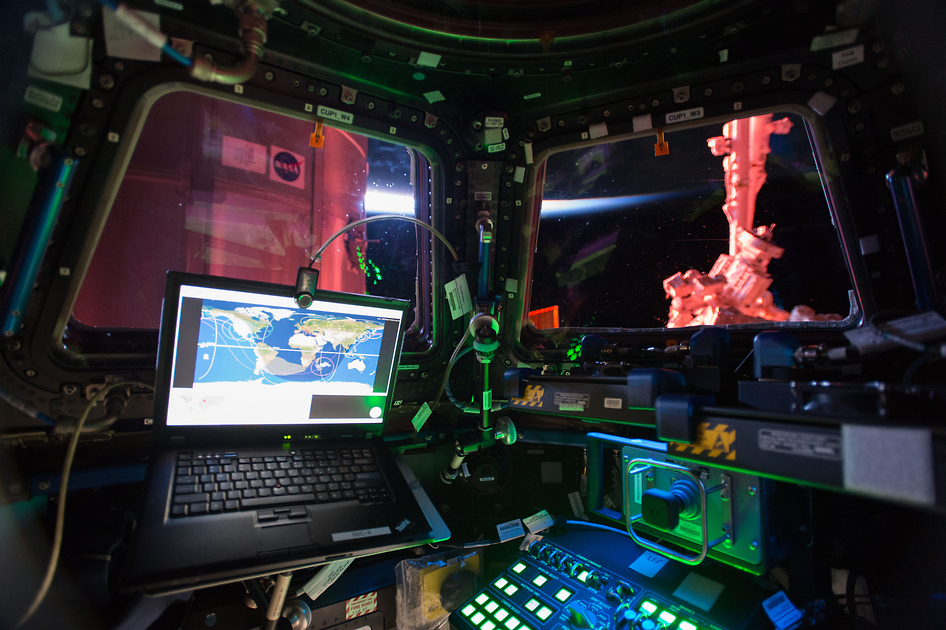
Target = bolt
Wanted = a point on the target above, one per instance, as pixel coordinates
(312, 31)
(98, 103)
(502, 249)
(859, 127)
(79, 151)
(371, 105)
(296, 84)
(43, 485)
(350, 98)
(508, 184)
(504, 203)
(655, 103)
(69, 390)
(543, 127)
(395, 113)
(323, 91)
(897, 88)
(752, 490)
(269, 76)
(430, 124)
(478, 146)
(457, 217)
(606, 113)
(828, 82)
(582, 119)
(459, 182)
(107, 81)
(502, 278)
(15, 488)
(484, 166)
(561, 123)
(737, 86)
(883, 63)
(310, 87)
(13, 345)
(708, 92)
(477, 125)
(854, 107)
(459, 167)
(681, 97)
(877, 47)
(449, 142)
(766, 80)
(627, 458)
(505, 217)
(119, 66)
(414, 118)
(754, 545)
(509, 168)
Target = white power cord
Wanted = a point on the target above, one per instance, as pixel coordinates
(63, 486)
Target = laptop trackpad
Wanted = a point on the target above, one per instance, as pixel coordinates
(284, 536)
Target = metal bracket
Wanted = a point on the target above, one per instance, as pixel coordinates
(726, 501)
(681, 94)
(545, 124)
(640, 465)
(430, 121)
(349, 95)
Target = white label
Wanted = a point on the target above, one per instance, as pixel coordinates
(510, 530)
(434, 97)
(493, 135)
(801, 444)
(519, 175)
(849, 57)
(169, 5)
(362, 533)
(428, 60)
(638, 488)
(649, 564)
(841, 38)
(308, 107)
(238, 89)
(537, 522)
(496, 148)
(42, 98)
(488, 399)
(598, 130)
(690, 114)
(531, 96)
(325, 578)
(822, 102)
(494, 121)
(334, 114)
(781, 610)
(578, 508)
(643, 122)
(361, 605)
(482, 195)
(612, 403)
(458, 297)
(907, 131)
(248, 156)
(421, 417)
(724, 55)
(505, 134)
(528, 149)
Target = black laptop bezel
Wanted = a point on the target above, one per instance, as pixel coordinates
(273, 433)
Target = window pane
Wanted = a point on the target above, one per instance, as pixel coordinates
(224, 189)
(617, 221)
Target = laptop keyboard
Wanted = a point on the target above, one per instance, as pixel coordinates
(207, 483)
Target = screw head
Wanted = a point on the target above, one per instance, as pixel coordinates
(752, 490)
(606, 113)
(484, 166)
(43, 485)
(79, 151)
(323, 91)
(754, 545)
(13, 345)
(655, 102)
(31, 373)
(897, 88)
(98, 103)
(854, 107)
(269, 76)
(708, 92)
(107, 81)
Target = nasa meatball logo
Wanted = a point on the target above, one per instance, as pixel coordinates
(286, 166)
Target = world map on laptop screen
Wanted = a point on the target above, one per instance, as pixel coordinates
(243, 358)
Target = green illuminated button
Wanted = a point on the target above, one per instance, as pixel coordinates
(532, 604)
(524, 627)
(563, 594)
(501, 582)
(519, 568)
(512, 623)
(544, 613)
(483, 598)
(686, 625)
(648, 608)
(489, 625)
(501, 614)
(511, 590)
(583, 576)
(477, 618)
(469, 610)
(540, 580)
(667, 618)
(490, 607)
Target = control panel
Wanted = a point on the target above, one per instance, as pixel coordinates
(599, 580)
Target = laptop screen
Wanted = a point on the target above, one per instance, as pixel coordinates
(254, 358)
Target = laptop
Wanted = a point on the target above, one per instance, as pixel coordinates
(267, 437)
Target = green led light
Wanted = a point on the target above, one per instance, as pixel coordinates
(501, 614)
(489, 625)
(583, 576)
(519, 568)
(667, 617)
(482, 599)
(501, 582)
(532, 604)
(512, 623)
(490, 607)
(563, 595)
(544, 613)
(648, 607)
(477, 618)
(686, 625)
(540, 580)
(469, 610)
(511, 590)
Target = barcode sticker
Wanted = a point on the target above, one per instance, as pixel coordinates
(538, 522)
(458, 297)
(510, 530)
(578, 508)
(781, 610)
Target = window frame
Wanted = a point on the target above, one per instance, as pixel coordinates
(525, 336)
(76, 344)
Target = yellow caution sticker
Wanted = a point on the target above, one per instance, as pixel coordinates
(720, 440)
(532, 398)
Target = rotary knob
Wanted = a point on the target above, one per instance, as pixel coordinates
(580, 618)
(646, 624)
(625, 617)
